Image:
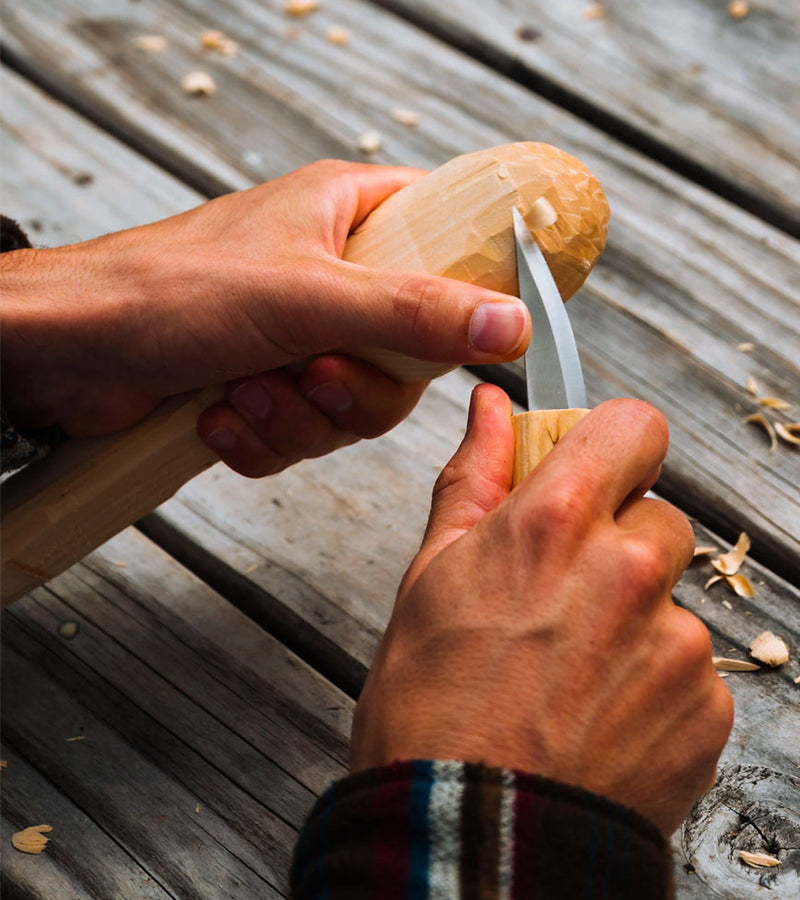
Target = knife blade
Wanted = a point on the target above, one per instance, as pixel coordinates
(553, 374)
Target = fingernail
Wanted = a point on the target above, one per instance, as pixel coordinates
(331, 397)
(496, 327)
(221, 440)
(252, 399)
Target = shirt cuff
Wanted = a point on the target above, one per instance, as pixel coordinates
(426, 829)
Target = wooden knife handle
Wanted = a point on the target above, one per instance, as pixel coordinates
(535, 435)
(454, 222)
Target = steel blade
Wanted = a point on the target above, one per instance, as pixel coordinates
(553, 370)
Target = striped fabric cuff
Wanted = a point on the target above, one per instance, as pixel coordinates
(426, 830)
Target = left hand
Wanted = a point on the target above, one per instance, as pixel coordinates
(96, 334)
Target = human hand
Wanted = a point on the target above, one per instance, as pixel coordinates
(96, 334)
(535, 630)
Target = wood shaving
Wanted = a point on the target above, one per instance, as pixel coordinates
(338, 36)
(198, 84)
(774, 403)
(729, 563)
(369, 142)
(741, 586)
(758, 860)
(79, 738)
(406, 117)
(723, 664)
(769, 648)
(151, 43)
(764, 422)
(68, 629)
(219, 42)
(713, 580)
(301, 8)
(752, 386)
(746, 347)
(3, 763)
(121, 564)
(197, 809)
(738, 9)
(31, 839)
(594, 11)
(789, 433)
(704, 551)
(727, 604)
(797, 680)
(541, 214)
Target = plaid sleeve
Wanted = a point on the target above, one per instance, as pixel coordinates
(426, 830)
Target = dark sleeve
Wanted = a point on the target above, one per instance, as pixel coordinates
(426, 830)
(18, 447)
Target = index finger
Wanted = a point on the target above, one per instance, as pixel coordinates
(613, 453)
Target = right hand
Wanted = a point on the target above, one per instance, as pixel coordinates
(536, 630)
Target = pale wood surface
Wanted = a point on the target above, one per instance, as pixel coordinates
(536, 433)
(685, 279)
(189, 698)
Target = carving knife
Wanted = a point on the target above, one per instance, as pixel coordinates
(553, 373)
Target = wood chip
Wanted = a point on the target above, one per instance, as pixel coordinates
(31, 839)
(752, 386)
(746, 347)
(198, 84)
(338, 36)
(797, 680)
(713, 580)
(789, 433)
(764, 422)
(369, 142)
(151, 43)
(729, 563)
(723, 664)
(301, 8)
(541, 214)
(68, 629)
(774, 403)
(704, 551)
(219, 42)
(727, 604)
(406, 117)
(741, 586)
(738, 9)
(3, 763)
(197, 809)
(80, 737)
(594, 11)
(769, 648)
(758, 860)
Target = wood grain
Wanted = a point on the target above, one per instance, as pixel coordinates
(713, 96)
(685, 279)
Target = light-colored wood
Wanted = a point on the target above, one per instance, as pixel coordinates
(58, 511)
(686, 277)
(536, 433)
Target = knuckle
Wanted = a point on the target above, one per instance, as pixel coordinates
(563, 511)
(690, 640)
(646, 566)
(417, 301)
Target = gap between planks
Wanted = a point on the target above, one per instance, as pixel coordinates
(615, 127)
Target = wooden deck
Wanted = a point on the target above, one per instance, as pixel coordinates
(177, 740)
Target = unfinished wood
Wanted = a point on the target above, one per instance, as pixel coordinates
(713, 95)
(536, 433)
(56, 512)
(82, 862)
(686, 277)
(179, 701)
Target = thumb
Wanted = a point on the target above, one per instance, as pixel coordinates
(417, 315)
(475, 481)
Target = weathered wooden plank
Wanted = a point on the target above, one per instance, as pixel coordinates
(83, 862)
(686, 277)
(179, 700)
(714, 96)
